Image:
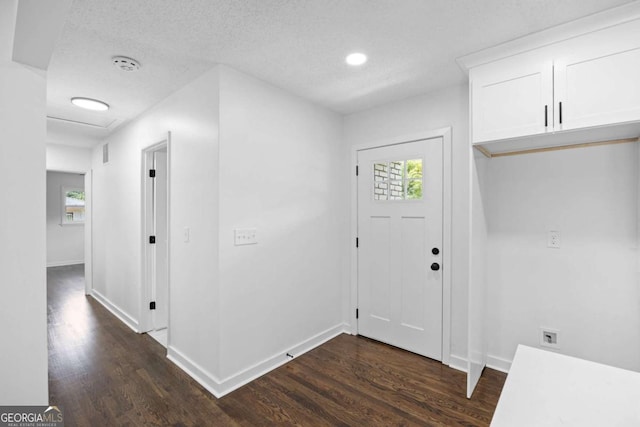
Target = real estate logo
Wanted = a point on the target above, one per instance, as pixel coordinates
(31, 416)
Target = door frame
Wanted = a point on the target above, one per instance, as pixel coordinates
(88, 221)
(88, 232)
(147, 259)
(445, 134)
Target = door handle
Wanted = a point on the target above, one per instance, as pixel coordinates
(435, 266)
(560, 112)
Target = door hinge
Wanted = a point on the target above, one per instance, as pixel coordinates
(357, 313)
(152, 305)
(152, 240)
(357, 242)
(357, 170)
(152, 173)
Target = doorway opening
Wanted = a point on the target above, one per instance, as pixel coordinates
(155, 241)
(66, 217)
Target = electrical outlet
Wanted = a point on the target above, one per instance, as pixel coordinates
(549, 337)
(553, 239)
(245, 236)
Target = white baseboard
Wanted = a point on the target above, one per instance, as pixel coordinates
(203, 377)
(63, 263)
(350, 329)
(493, 362)
(499, 364)
(222, 387)
(115, 310)
(458, 363)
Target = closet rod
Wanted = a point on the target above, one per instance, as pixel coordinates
(490, 155)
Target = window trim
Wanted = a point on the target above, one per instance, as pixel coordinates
(63, 205)
(404, 181)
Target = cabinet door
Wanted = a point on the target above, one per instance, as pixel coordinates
(597, 88)
(511, 98)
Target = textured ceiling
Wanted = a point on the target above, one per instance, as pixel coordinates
(298, 45)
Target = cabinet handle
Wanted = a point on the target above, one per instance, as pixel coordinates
(560, 111)
(546, 120)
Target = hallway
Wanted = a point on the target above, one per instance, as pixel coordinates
(102, 373)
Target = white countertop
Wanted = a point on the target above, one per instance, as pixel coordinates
(549, 389)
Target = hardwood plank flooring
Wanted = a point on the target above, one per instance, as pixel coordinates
(104, 374)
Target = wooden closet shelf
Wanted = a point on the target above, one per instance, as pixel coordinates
(491, 155)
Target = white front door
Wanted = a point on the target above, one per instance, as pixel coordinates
(400, 234)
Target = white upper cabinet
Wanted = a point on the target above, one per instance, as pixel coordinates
(586, 81)
(512, 100)
(600, 83)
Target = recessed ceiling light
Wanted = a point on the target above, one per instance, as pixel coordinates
(356, 59)
(90, 104)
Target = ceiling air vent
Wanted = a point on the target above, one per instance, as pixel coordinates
(125, 64)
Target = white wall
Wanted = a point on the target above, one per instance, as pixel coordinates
(476, 309)
(65, 243)
(191, 114)
(283, 170)
(64, 158)
(243, 154)
(23, 347)
(588, 288)
(63, 133)
(276, 163)
(447, 107)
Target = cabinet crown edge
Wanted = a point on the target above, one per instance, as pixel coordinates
(598, 21)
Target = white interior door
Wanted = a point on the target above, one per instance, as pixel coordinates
(400, 234)
(160, 282)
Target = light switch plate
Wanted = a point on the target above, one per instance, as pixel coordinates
(245, 236)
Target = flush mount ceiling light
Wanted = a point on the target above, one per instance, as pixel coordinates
(90, 104)
(355, 59)
(125, 64)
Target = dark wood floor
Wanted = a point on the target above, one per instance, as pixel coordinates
(103, 374)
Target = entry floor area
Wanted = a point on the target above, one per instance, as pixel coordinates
(102, 373)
